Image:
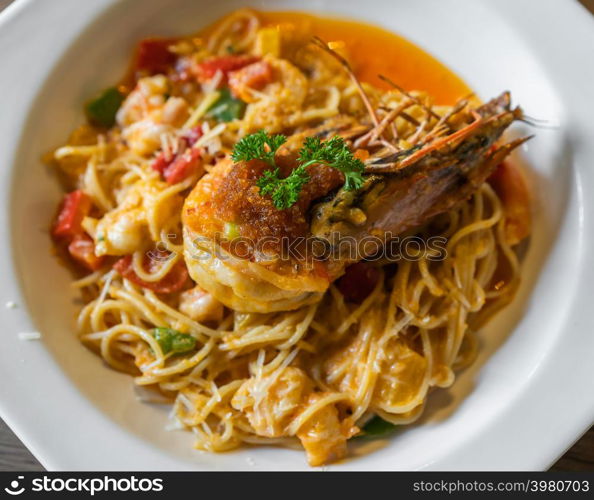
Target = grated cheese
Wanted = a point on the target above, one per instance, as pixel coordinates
(29, 335)
(210, 135)
(201, 109)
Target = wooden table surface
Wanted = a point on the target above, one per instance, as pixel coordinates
(14, 456)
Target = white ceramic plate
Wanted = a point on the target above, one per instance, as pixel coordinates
(530, 395)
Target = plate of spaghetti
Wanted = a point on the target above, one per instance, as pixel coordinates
(298, 238)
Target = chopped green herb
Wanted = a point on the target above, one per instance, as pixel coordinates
(377, 427)
(336, 154)
(258, 146)
(102, 110)
(231, 231)
(182, 342)
(226, 108)
(173, 341)
(285, 192)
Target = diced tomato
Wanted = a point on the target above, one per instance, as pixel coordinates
(174, 281)
(82, 250)
(180, 167)
(68, 229)
(510, 185)
(254, 76)
(183, 166)
(225, 64)
(153, 55)
(75, 207)
(192, 135)
(161, 163)
(358, 282)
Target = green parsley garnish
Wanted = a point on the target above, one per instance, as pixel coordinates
(336, 154)
(258, 146)
(102, 110)
(226, 108)
(173, 341)
(376, 427)
(285, 191)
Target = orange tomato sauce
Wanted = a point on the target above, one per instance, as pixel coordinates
(373, 50)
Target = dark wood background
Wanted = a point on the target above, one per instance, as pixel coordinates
(14, 456)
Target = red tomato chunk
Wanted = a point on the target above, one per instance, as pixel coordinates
(153, 55)
(510, 185)
(180, 167)
(75, 207)
(358, 282)
(174, 281)
(68, 230)
(82, 250)
(255, 76)
(225, 64)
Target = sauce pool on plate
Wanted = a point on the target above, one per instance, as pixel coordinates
(373, 50)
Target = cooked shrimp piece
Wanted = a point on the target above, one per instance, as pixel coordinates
(200, 305)
(121, 232)
(144, 137)
(270, 107)
(175, 111)
(271, 402)
(408, 187)
(237, 244)
(324, 436)
(402, 191)
(401, 384)
(147, 96)
(127, 228)
(146, 115)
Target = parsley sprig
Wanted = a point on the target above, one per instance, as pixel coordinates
(336, 154)
(258, 146)
(285, 191)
